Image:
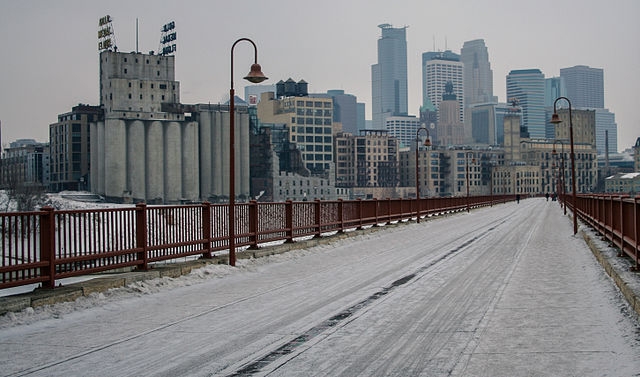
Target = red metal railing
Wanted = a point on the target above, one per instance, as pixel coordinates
(48, 245)
(617, 218)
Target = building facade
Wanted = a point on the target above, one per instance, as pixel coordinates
(369, 159)
(25, 164)
(440, 68)
(403, 128)
(478, 76)
(389, 76)
(149, 147)
(310, 124)
(69, 148)
(636, 155)
(450, 127)
(528, 87)
(584, 85)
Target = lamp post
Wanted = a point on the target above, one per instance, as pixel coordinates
(427, 143)
(560, 174)
(255, 76)
(555, 119)
(466, 160)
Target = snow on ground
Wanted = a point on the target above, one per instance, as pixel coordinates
(506, 290)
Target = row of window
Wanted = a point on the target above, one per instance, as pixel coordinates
(312, 112)
(313, 139)
(137, 60)
(293, 183)
(324, 104)
(316, 121)
(152, 97)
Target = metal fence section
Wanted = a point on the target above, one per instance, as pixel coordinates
(48, 245)
(616, 218)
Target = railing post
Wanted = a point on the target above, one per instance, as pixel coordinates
(341, 215)
(47, 248)
(359, 201)
(620, 203)
(289, 220)
(376, 207)
(253, 224)
(206, 230)
(141, 236)
(635, 226)
(318, 217)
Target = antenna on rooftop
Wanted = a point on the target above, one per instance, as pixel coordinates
(137, 35)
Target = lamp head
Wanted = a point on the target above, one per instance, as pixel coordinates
(256, 75)
(427, 142)
(555, 119)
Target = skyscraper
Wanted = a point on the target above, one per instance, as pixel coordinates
(528, 86)
(585, 86)
(438, 69)
(478, 76)
(389, 76)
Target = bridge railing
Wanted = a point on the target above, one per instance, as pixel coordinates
(617, 218)
(48, 245)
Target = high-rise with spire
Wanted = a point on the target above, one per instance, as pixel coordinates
(478, 76)
(389, 76)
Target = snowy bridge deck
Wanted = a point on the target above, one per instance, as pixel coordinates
(506, 290)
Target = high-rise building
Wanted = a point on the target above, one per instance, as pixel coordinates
(439, 68)
(403, 128)
(483, 123)
(528, 87)
(606, 131)
(389, 76)
(450, 127)
(585, 89)
(478, 76)
(585, 86)
(554, 87)
(636, 155)
(345, 110)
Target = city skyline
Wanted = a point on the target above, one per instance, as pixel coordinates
(50, 61)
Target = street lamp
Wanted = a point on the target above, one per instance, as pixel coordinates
(466, 160)
(427, 143)
(555, 119)
(255, 76)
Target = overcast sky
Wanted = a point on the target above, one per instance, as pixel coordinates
(49, 59)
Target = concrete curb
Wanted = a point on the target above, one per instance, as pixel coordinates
(618, 268)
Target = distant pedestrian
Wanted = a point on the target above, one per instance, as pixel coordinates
(546, 196)
(518, 198)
